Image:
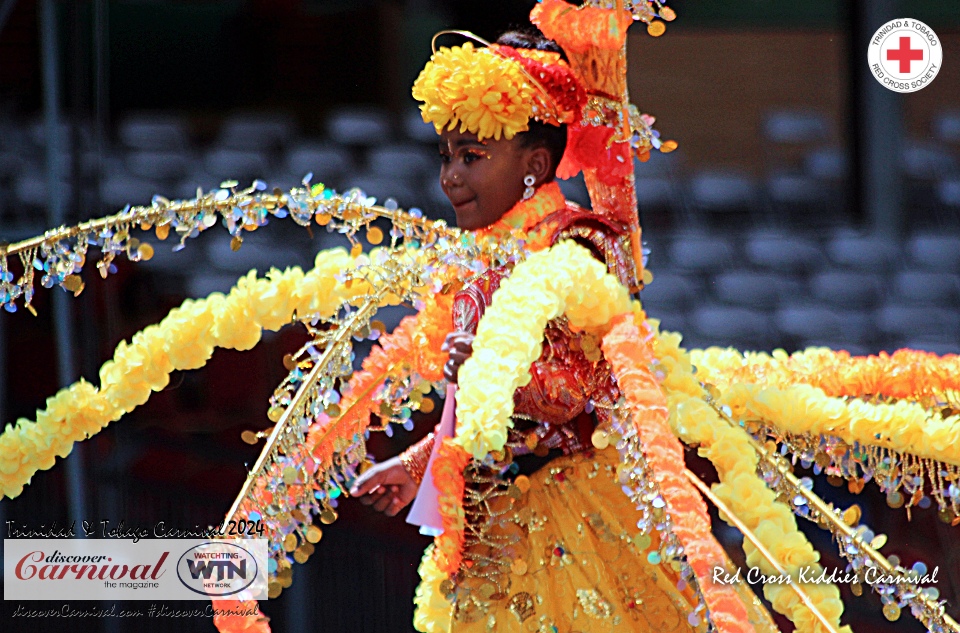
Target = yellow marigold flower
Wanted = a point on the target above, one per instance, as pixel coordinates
(726, 453)
(189, 343)
(276, 300)
(482, 92)
(433, 611)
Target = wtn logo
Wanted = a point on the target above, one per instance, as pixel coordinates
(218, 569)
(224, 568)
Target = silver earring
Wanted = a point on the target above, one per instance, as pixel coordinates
(528, 180)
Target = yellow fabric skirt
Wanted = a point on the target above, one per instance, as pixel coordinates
(559, 552)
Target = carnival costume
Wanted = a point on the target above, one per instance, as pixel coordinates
(609, 531)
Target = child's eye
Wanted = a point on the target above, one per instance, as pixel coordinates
(444, 157)
(469, 157)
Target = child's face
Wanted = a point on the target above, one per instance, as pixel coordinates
(482, 179)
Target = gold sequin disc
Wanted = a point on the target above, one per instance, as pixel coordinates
(656, 28)
(328, 516)
(522, 482)
(314, 534)
(851, 516)
(600, 439)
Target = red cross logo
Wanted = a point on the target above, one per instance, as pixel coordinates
(905, 54)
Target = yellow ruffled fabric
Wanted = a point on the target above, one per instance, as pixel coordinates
(184, 339)
(433, 611)
(576, 563)
(744, 492)
(772, 390)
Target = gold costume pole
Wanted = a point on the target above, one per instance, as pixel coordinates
(750, 536)
(159, 214)
(300, 398)
(826, 516)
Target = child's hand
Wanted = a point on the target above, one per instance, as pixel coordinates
(387, 486)
(460, 346)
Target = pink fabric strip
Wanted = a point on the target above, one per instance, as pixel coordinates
(425, 511)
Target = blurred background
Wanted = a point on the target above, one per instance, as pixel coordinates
(806, 205)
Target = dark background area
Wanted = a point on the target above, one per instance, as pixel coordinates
(761, 227)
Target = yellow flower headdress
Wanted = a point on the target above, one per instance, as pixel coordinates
(494, 91)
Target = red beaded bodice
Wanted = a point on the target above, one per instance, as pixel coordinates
(566, 376)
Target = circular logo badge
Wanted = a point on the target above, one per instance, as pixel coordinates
(905, 55)
(217, 568)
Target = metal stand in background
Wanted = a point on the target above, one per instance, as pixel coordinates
(6, 8)
(62, 313)
(877, 125)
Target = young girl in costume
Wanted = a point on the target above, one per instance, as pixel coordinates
(562, 502)
(548, 542)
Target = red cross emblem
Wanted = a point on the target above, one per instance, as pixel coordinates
(905, 55)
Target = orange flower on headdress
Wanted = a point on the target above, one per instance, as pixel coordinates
(483, 92)
(561, 98)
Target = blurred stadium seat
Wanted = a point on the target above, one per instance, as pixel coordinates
(719, 195)
(153, 132)
(937, 346)
(927, 288)
(671, 292)
(782, 252)
(725, 325)
(701, 252)
(847, 289)
(908, 320)
(240, 165)
(925, 166)
(260, 132)
(946, 126)
(30, 189)
(827, 164)
(807, 321)
(935, 251)
(418, 130)
(329, 164)
(402, 161)
(927, 161)
(363, 126)
(159, 165)
(948, 192)
(119, 190)
(795, 126)
(752, 289)
(798, 198)
(865, 252)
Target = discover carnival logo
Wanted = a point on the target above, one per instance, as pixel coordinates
(107, 569)
(904, 55)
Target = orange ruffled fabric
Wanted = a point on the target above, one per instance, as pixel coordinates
(575, 28)
(416, 341)
(630, 357)
(905, 374)
(447, 471)
(240, 623)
